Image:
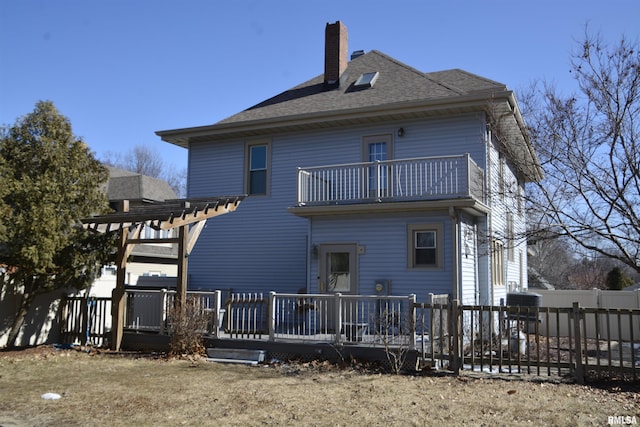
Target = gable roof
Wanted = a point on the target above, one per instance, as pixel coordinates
(400, 92)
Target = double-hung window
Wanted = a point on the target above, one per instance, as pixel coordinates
(511, 238)
(497, 264)
(257, 177)
(425, 246)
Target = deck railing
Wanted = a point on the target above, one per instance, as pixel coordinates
(304, 317)
(337, 318)
(149, 309)
(553, 341)
(427, 178)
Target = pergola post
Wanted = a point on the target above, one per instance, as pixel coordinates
(181, 285)
(117, 300)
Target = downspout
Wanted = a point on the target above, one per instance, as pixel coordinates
(456, 254)
(489, 171)
(476, 276)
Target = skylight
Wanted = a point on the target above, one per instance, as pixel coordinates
(367, 79)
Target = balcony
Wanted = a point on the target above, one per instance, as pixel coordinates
(418, 179)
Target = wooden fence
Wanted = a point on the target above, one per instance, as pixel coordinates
(550, 341)
(86, 321)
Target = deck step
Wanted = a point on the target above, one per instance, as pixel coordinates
(236, 355)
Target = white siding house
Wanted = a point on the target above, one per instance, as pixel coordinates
(372, 178)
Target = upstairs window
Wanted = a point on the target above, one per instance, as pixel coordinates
(257, 169)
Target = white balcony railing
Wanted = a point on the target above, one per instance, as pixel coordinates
(427, 178)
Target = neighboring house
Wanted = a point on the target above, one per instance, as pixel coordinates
(372, 178)
(149, 261)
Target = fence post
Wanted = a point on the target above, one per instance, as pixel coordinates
(217, 313)
(84, 327)
(163, 312)
(412, 322)
(456, 322)
(579, 372)
(271, 309)
(64, 318)
(337, 317)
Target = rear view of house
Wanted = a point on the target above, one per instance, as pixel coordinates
(371, 178)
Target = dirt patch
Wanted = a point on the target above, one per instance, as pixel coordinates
(151, 389)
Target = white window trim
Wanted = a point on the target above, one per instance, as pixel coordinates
(497, 263)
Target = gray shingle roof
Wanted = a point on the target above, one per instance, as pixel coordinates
(125, 185)
(396, 83)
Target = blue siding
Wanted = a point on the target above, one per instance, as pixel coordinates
(469, 286)
(262, 247)
(443, 137)
(384, 238)
(216, 169)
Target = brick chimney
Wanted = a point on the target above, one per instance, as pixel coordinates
(336, 52)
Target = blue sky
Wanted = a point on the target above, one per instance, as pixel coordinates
(122, 69)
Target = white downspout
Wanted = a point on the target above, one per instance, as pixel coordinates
(489, 173)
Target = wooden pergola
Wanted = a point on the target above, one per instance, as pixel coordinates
(189, 216)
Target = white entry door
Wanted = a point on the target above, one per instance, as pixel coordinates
(338, 268)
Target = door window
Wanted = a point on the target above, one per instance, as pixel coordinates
(338, 275)
(338, 271)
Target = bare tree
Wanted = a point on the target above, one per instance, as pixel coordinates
(143, 160)
(587, 144)
(552, 259)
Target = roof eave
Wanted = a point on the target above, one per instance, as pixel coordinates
(411, 109)
(534, 172)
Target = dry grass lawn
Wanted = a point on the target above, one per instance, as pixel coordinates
(117, 390)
